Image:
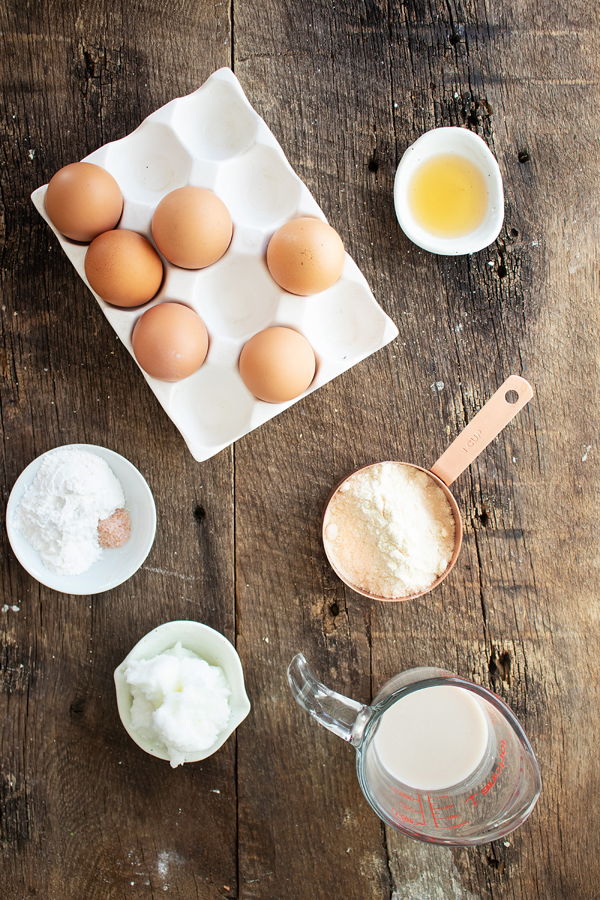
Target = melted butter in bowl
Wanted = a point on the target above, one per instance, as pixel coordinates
(448, 195)
(448, 192)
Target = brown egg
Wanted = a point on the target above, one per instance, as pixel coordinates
(123, 268)
(170, 341)
(277, 364)
(192, 227)
(305, 256)
(83, 200)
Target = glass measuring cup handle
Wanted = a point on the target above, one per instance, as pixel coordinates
(341, 715)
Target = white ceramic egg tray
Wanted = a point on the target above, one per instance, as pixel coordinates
(213, 138)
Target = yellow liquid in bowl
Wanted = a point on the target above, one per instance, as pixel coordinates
(447, 195)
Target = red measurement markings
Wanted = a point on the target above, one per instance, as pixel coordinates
(497, 771)
(472, 798)
(415, 807)
(444, 812)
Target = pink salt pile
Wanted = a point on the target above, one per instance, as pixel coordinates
(115, 530)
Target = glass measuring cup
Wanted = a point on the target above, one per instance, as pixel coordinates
(491, 800)
(503, 406)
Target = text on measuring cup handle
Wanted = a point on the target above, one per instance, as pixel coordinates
(472, 441)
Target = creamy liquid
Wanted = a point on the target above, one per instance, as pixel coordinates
(433, 738)
(448, 196)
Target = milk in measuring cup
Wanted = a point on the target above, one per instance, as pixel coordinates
(433, 738)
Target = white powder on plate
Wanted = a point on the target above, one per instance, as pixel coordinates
(389, 530)
(179, 701)
(59, 512)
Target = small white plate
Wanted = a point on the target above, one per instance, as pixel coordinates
(114, 566)
(211, 646)
(469, 145)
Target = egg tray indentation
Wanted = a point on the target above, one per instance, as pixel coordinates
(214, 138)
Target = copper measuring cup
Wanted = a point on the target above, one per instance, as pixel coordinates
(503, 406)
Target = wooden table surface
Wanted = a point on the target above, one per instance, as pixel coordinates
(277, 813)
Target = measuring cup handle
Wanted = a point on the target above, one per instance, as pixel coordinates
(339, 714)
(487, 424)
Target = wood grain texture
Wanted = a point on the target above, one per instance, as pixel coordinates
(277, 813)
(86, 814)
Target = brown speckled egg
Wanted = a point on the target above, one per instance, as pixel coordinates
(277, 364)
(170, 341)
(83, 200)
(192, 227)
(123, 268)
(305, 256)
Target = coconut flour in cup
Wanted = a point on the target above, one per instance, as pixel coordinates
(389, 530)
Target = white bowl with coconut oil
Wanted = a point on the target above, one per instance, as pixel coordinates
(209, 645)
(470, 146)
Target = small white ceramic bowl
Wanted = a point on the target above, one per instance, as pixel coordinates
(209, 645)
(114, 566)
(469, 145)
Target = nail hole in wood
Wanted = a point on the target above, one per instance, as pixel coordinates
(199, 513)
(500, 665)
(77, 707)
(523, 156)
(373, 164)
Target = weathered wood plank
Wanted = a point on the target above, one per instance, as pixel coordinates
(302, 800)
(85, 812)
